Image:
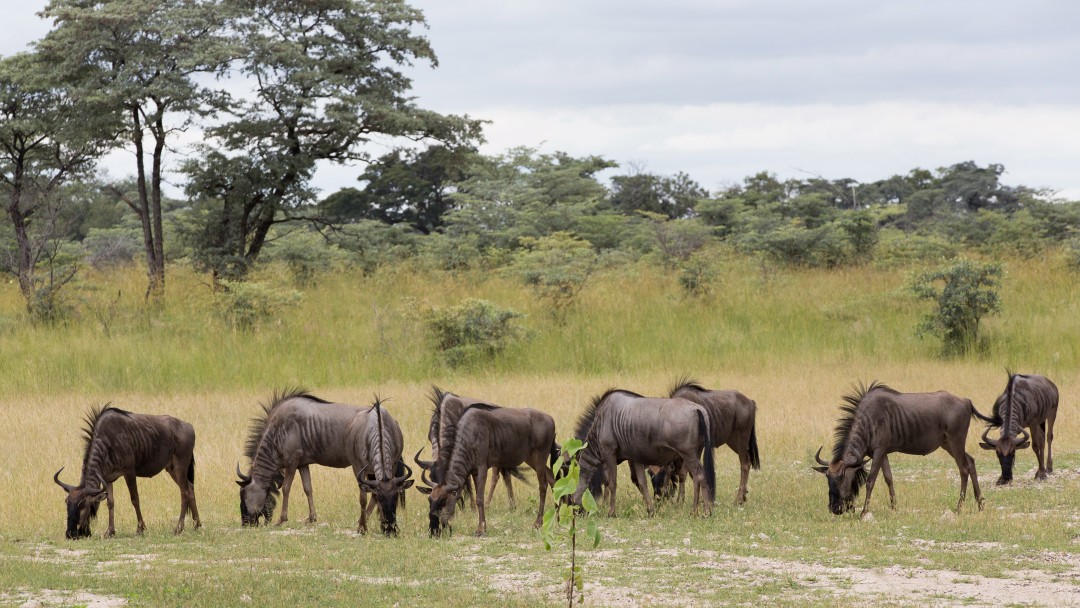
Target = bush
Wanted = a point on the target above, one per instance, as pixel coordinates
(968, 292)
(246, 305)
(898, 249)
(472, 331)
(306, 253)
(111, 247)
(557, 267)
(697, 274)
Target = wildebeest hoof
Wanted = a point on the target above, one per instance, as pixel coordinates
(281, 521)
(1040, 476)
(867, 516)
(178, 530)
(110, 533)
(1004, 482)
(480, 532)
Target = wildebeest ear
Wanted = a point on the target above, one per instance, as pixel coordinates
(821, 469)
(406, 484)
(986, 446)
(423, 489)
(1021, 446)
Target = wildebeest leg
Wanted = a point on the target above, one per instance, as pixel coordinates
(1050, 442)
(111, 501)
(1038, 445)
(187, 494)
(744, 473)
(681, 476)
(643, 485)
(509, 488)
(481, 479)
(875, 466)
(544, 478)
(494, 484)
(305, 480)
(361, 526)
(290, 473)
(612, 467)
(886, 472)
(701, 486)
(133, 491)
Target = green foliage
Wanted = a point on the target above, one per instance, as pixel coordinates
(964, 292)
(473, 331)
(306, 253)
(674, 241)
(670, 196)
(793, 244)
(898, 249)
(697, 274)
(247, 305)
(561, 519)
(557, 267)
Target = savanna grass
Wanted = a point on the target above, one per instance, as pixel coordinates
(794, 341)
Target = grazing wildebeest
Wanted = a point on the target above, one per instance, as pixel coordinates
(877, 421)
(296, 430)
(374, 444)
(123, 444)
(483, 437)
(450, 406)
(622, 425)
(731, 421)
(1028, 401)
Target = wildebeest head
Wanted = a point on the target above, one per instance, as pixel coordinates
(386, 492)
(663, 481)
(845, 480)
(82, 506)
(1005, 447)
(256, 500)
(442, 502)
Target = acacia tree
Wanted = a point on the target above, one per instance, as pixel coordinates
(46, 138)
(325, 78)
(141, 57)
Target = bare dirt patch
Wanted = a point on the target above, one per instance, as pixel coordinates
(51, 597)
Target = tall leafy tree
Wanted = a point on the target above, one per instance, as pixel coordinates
(47, 138)
(142, 57)
(325, 78)
(673, 196)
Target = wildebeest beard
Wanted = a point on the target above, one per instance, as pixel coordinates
(75, 529)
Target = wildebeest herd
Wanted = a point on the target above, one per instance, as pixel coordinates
(663, 439)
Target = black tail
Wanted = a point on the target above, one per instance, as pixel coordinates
(554, 456)
(191, 470)
(710, 466)
(755, 457)
(991, 420)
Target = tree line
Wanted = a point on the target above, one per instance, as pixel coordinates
(273, 88)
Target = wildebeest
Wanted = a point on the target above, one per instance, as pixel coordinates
(123, 444)
(622, 425)
(731, 421)
(295, 430)
(1028, 401)
(374, 445)
(877, 421)
(448, 406)
(483, 437)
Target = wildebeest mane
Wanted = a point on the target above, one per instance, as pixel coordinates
(258, 424)
(687, 383)
(448, 439)
(90, 425)
(585, 421)
(1005, 399)
(844, 424)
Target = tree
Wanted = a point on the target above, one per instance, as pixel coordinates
(967, 293)
(673, 196)
(140, 57)
(47, 138)
(326, 79)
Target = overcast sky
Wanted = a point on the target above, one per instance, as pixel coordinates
(722, 89)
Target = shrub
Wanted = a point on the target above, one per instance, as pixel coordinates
(111, 247)
(967, 293)
(696, 274)
(245, 305)
(557, 267)
(306, 253)
(898, 249)
(472, 331)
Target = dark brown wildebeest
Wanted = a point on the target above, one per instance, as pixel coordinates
(731, 421)
(621, 425)
(446, 406)
(877, 421)
(296, 430)
(1028, 401)
(484, 437)
(374, 444)
(122, 444)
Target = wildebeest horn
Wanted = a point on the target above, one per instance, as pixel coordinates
(360, 474)
(246, 479)
(66, 487)
(817, 457)
(423, 464)
(407, 474)
(424, 478)
(1026, 436)
(987, 440)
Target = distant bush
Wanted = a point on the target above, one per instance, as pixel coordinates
(964, 292)
(472, 331)
(697, 274)
(245, 305)
(897, 249)
(111, 247)
(306, 253)
(557, 267)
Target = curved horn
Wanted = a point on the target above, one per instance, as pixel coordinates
(99, 490)
(424, 478)
(817, 457)
(407, 474)
(360, 474)
(1026, 436)
(987, 440)
(56, 478)
(423, 464)
(244, 478)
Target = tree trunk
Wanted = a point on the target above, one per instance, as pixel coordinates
(157, 232)
(154, 288)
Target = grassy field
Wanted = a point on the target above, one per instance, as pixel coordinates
(793, 341)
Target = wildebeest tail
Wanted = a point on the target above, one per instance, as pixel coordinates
(710, 466)
(755, 457)
(191, 470)
(554, 456)
(989, 419)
